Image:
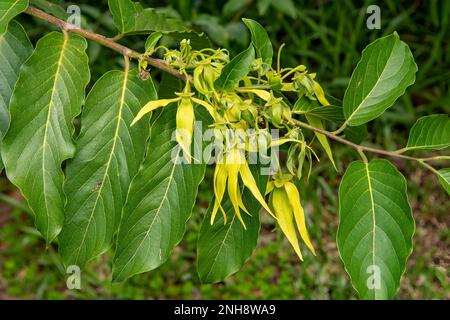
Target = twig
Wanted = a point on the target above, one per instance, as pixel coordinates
(125, 51)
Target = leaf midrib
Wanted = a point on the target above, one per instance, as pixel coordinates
(113, 148)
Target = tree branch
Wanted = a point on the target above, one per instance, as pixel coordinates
(125, 51)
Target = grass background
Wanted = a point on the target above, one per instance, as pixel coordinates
(328, 37)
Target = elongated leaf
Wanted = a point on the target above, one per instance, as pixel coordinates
(15, 48)
(160, 201)
(109, 153)
(375, 227)
(261, 41)
(430, 132)
(130, 17)
(222, 249)
(316, 122)
(235, 70)
(8, 10)
(444, 179)
(48, 95)
(382, 75)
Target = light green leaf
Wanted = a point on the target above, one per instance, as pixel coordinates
(123, 13)
(316, 122)
(285, 6)
(444, 178)
(109, 153)
(159, 203)
(382, 75)
(130, 17)
(152, 41)
(8, 10)
(222, 249)
(430, 132)
(15, 48)
(261, 41)
(375, 227)
(235, 70)
(40, 136)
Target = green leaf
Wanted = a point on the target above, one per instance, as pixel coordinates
(285, 6)
(444, 178)
(235, 70)
(46, 99)
(375, 227)
(160, 201)
(123, 12)
(222, 249)
(316, 122)
(356, 134)
(8, 10)
(15, 48)
(430, 132)
(109, 153)
(51, 8)
(382, 75)
(233, 6)
(152, 41)
(261, 41)
(130, 17)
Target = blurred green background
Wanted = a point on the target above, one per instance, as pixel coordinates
(328, 37)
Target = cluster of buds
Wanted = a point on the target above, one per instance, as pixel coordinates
(258, 103)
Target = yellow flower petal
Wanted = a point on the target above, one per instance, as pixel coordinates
(316, 122)
(299, 214)
(185, 125)
(283, 210)
(152, 105)
(260, 93)
(233, 189)
(250, 183)
(318, 91)
(220, 183)
(208, 107)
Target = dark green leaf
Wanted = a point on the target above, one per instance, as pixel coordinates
(15, 48)
(109, 153)
(260, 41)
(51, 8)
(430, 132)
(382, 75)
(235, 70)
(152, 41)
(222, 249)
(8, 10)
(123, 12)
(356, 134)
(375, 227)
(47, 97)
(160, 202)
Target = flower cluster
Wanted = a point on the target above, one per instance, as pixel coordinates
(259, 101)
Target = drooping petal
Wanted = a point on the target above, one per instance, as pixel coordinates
(318, 91)
(283, 210)
(233, 189)
(269, 187)
(208, 107)
(299, 214)
(250, 183)
(220, 183)
(152, 105)
(185, 125)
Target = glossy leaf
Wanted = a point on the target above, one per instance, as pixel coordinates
(382, 75)
(109, 153)
(130, 17)
(444, 179)
(160, 202)
(152, 41)
(8, 10)
(47, 97)
(430, 132)
(375, 227)
(222, 249)
(260, 41)
(15, 48)
(235, 70)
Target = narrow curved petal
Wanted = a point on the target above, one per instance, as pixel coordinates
(233, 189)
(152, 105)
(220, 182)
(299, 214)
(250, 183)
(208, 107)
(260, 93)
(280, 204)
